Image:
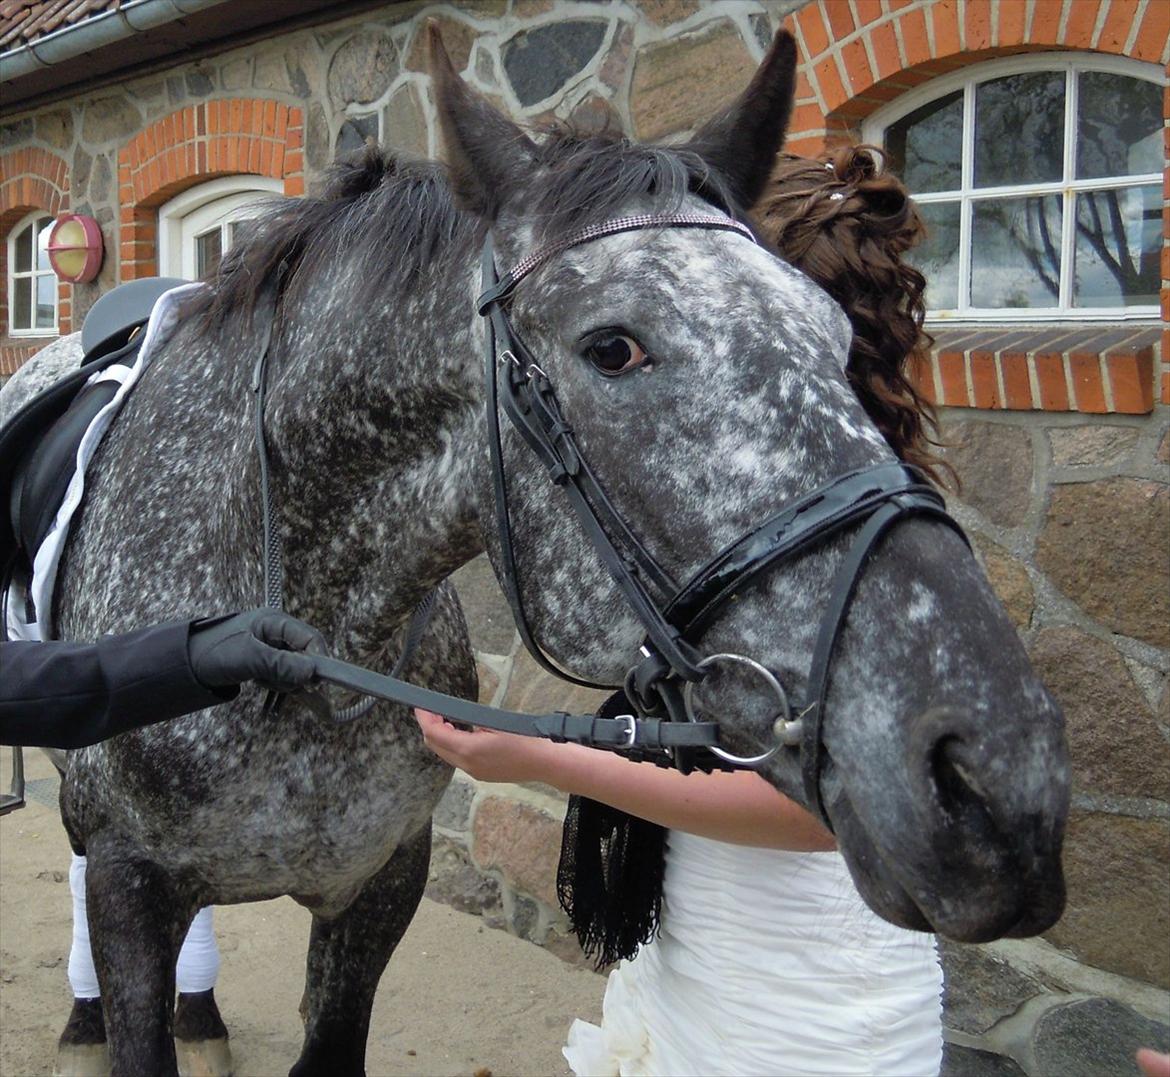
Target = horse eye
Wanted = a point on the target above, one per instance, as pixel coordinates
(616, 353)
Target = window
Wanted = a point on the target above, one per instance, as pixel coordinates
(1040, 181)
(198, 227)
(32, 284)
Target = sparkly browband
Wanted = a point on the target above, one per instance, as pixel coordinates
(596, 231)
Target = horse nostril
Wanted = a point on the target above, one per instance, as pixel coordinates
(956, 785)
(944, 756)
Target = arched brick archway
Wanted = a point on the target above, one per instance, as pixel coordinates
(34, 179)
(233, 136)
(851, 67)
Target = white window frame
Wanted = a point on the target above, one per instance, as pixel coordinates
(874, 128)
(32, 274)
(219, 202)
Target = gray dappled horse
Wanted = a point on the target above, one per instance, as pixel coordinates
(705, 381)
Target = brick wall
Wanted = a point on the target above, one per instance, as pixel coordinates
(1061, 433)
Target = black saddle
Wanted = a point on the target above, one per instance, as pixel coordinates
(38, 445)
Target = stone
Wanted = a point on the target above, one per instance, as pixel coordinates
(299, 61)
(1106, 545)
(455, 881)
(458, 39)
(979, 988)
(176, 90)
(1118, 912)
(489, 617)
(525, 9)
(14, 134)
(680, 83)
(79, 177)
(404, 123)
(101, 184)
(237, 75)
(616, 65)
(357, 132)
(272, 73)
(533, 690)
(199, 83)
(151, 93)
(593, 113)
(1115, 744)
(762, 28)
(994, 462)
(665, 12)
(363, 68)
(109, 118)
(1094, 1036)
(539, 62)
(489, 682)
(1009, 579)
(524, 917)
(484, 9)
(454, 808)
(1163, 454)
(485, 66)
(960, 1061)
(1091, 446)
(317, 138)
(56, 128)
(521, 842)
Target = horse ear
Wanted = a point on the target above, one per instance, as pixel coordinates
(487, 153)
(741, 143)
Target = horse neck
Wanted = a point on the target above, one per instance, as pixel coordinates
(377, 432)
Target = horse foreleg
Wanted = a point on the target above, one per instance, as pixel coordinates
(347, 956)
(137, 921)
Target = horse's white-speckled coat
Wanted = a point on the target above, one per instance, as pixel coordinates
(380, 467)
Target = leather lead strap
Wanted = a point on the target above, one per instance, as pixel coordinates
(644, 735)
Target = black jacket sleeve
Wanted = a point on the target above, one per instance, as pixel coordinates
(69, 695)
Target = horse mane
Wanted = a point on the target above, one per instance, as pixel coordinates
(393, 216)
(390, 216)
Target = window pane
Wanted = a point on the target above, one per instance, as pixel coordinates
(22, 302)
(926, 147)
(1119, 126)
(23, 257)
(46, 301)
(208, 251)
(937, 256)
(1015, 252)
(1019, 129)
(1119, 238)
(44, 227)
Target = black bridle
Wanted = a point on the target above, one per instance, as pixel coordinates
(667, 728)
(675, 617)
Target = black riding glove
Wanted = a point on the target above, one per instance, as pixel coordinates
(263, 645)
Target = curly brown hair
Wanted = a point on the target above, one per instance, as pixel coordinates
(846, 223)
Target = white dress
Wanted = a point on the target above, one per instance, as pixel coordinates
(768, 962)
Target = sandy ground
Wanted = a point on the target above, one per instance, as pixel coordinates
(456, 998)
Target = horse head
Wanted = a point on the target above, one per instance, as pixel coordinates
(703, 380)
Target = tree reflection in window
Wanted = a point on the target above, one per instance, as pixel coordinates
(1030, 207)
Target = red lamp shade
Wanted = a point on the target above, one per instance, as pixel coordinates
(75, 248)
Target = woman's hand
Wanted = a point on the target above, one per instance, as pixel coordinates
(487, 755)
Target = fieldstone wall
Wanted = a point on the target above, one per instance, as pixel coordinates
(1069, 513)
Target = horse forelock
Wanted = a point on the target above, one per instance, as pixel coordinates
(584, 178)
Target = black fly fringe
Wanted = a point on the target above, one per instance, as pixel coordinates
(609, 879)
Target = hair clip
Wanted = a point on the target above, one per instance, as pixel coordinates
(836, 196)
